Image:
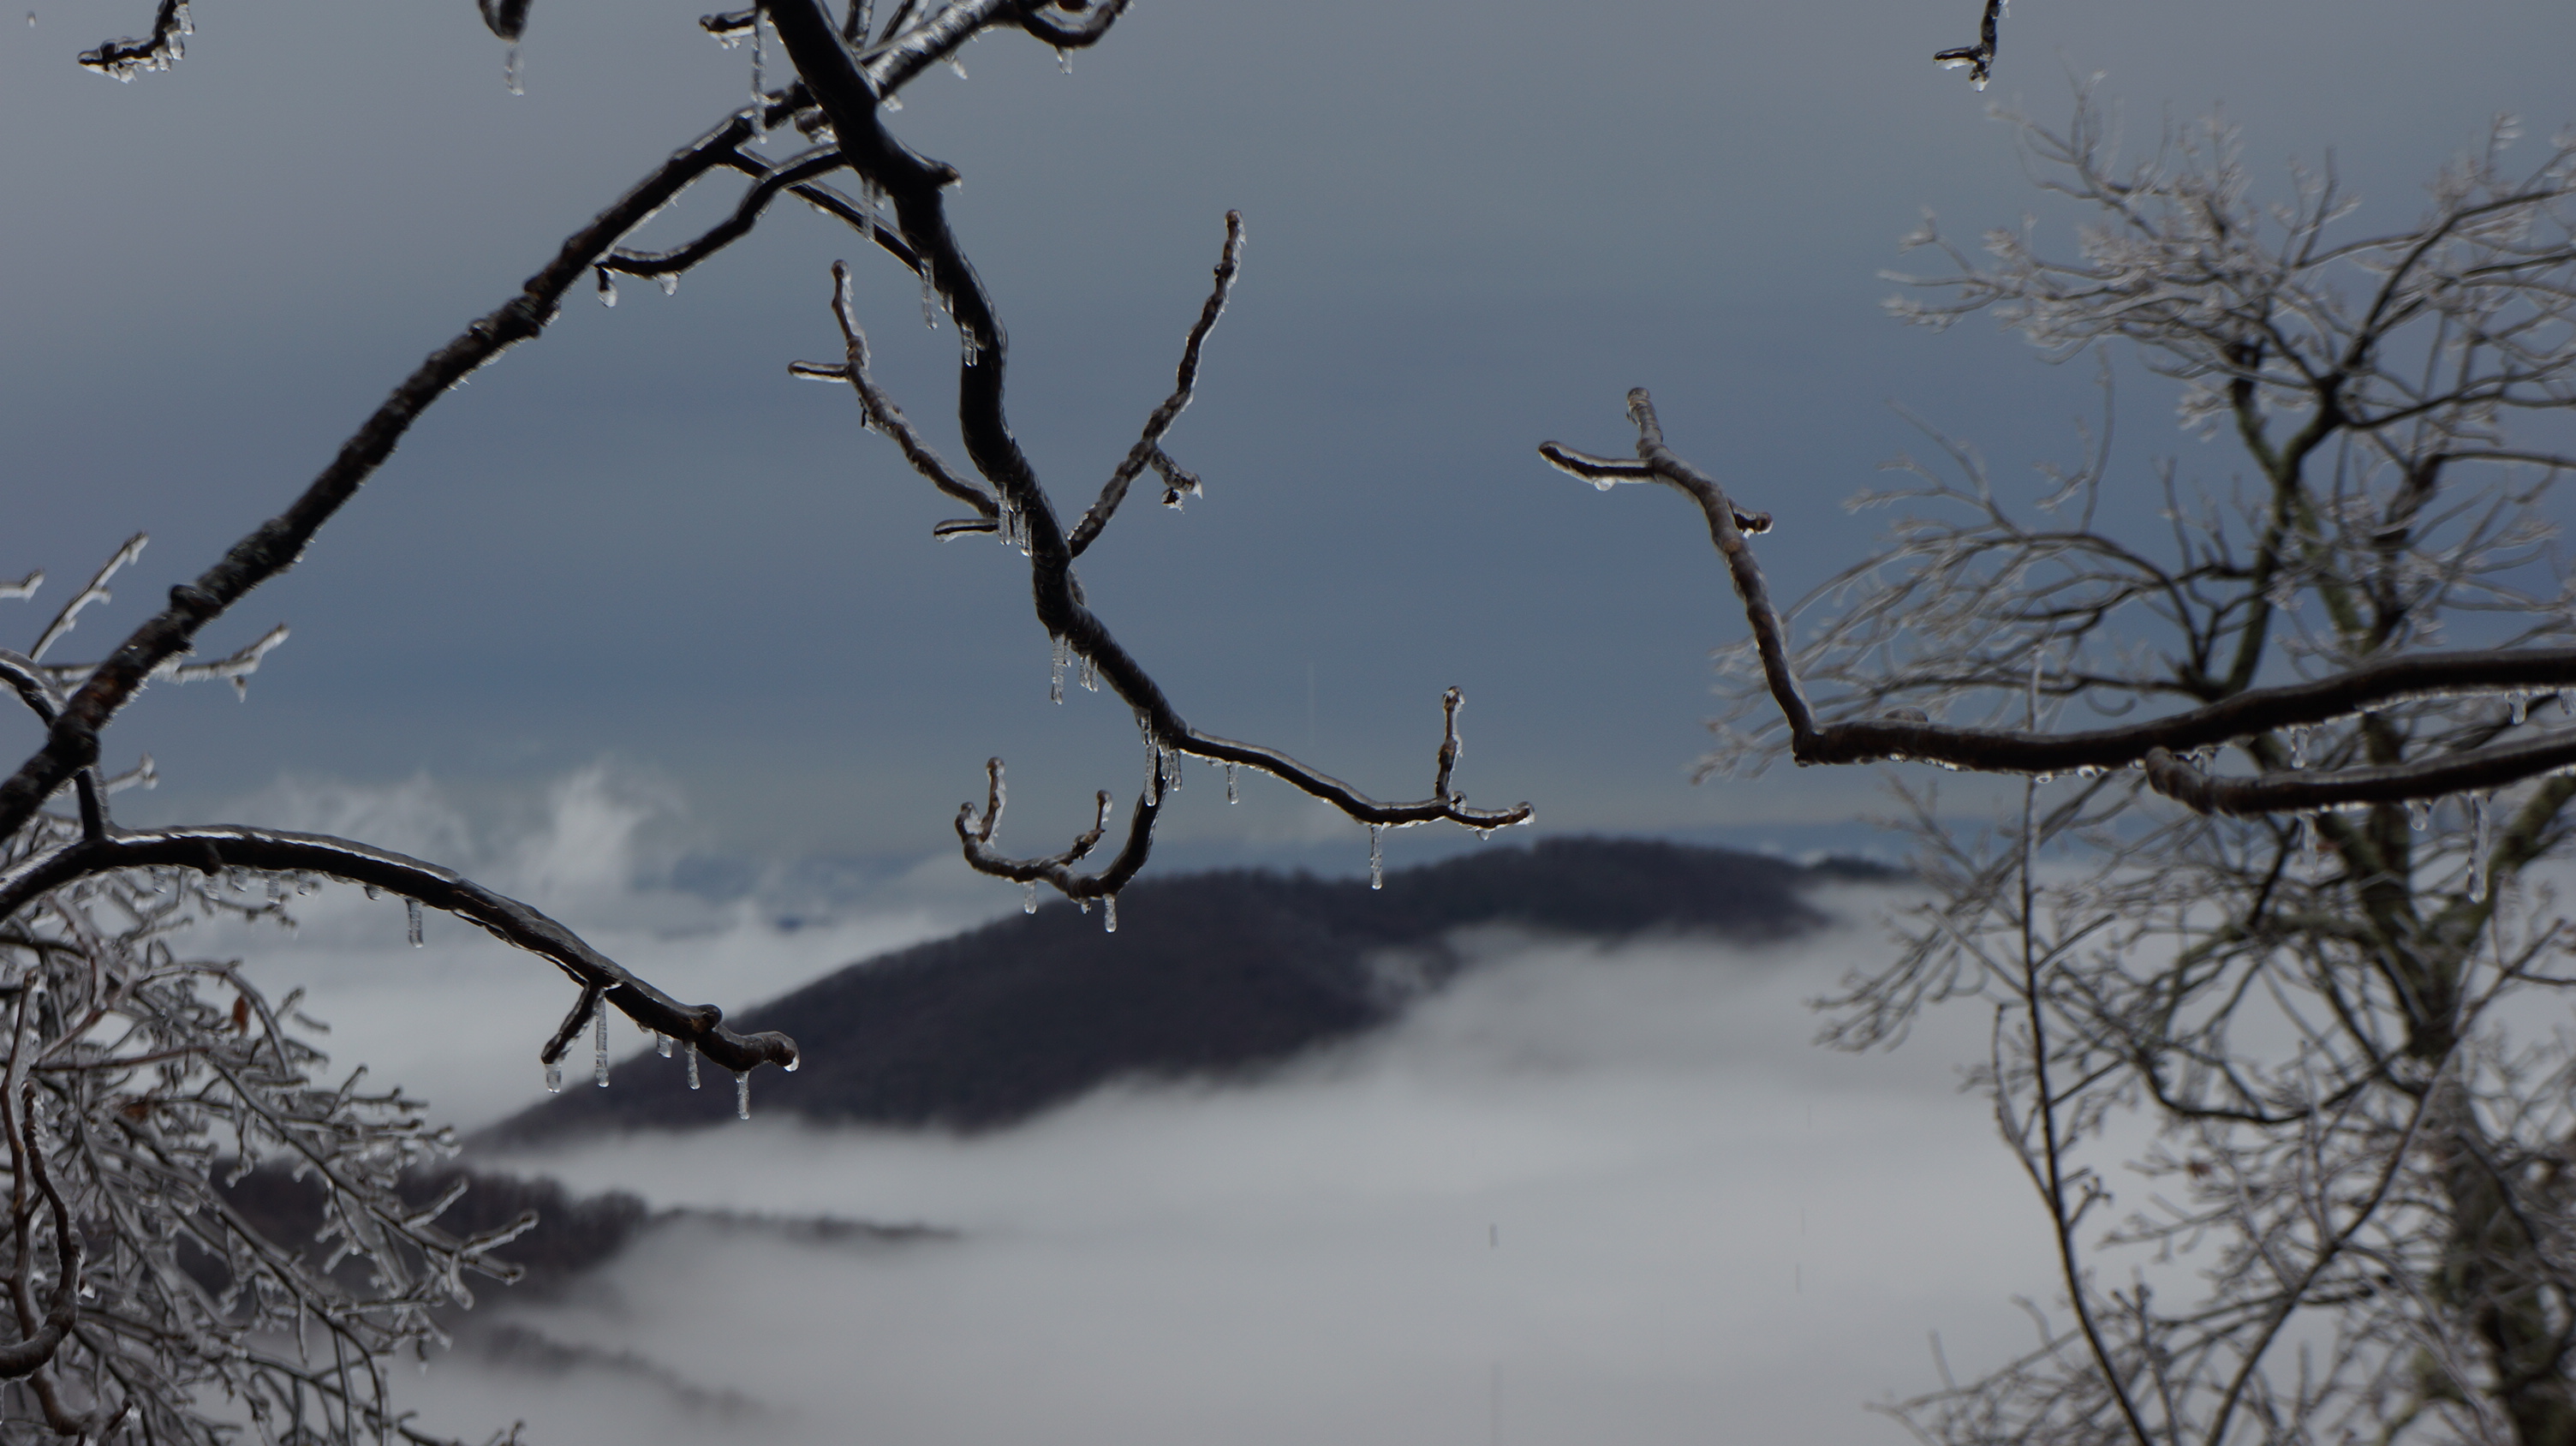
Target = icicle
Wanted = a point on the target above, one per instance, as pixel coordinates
(929, 295)
(1109, 914)
(1090, 675)
(411, 911)
(554, 1078)
(1377, 858)
(1055, 680)
(759, 101)
(2521, 706)
(2314, 834)
(373, 893)
(1063, 61)
(510, 69)
(2566, 705)
(2298, 746)
(599, 1046)
(607, 287)
(661, 1044)
(957, 65)
(693, 1064)
(2419, 814)
(967, 348)
(670, 282)
(2478, 848)
(1231, 795)
(742, 1095)
(1172, 769)
(1029, 897)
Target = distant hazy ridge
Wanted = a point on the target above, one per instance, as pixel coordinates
(1209, 976)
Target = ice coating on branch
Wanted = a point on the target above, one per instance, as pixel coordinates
(1029, 897)
(411, 916)
(599, 1045)
(1109, 914)
(742, 1095)
(2477, 847)
(2419, 814)
(1377, 857)
(1231, 794)
(693, 1064)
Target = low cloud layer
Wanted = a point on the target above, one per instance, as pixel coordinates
(1588, 1194)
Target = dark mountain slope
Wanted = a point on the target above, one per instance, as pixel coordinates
(1208, 976)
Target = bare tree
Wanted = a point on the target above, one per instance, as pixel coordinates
(137, 1080)
(2329, 979)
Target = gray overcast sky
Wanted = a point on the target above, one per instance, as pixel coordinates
(1472, 228)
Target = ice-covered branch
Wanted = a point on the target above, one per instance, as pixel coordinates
(849, 93)
(211, 849)
(975, 833)
(1070, 24)
(41, 1333)
(126, 59)
(1148, 450)
(2151, 744)
(878, 412)
(1979, 59)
